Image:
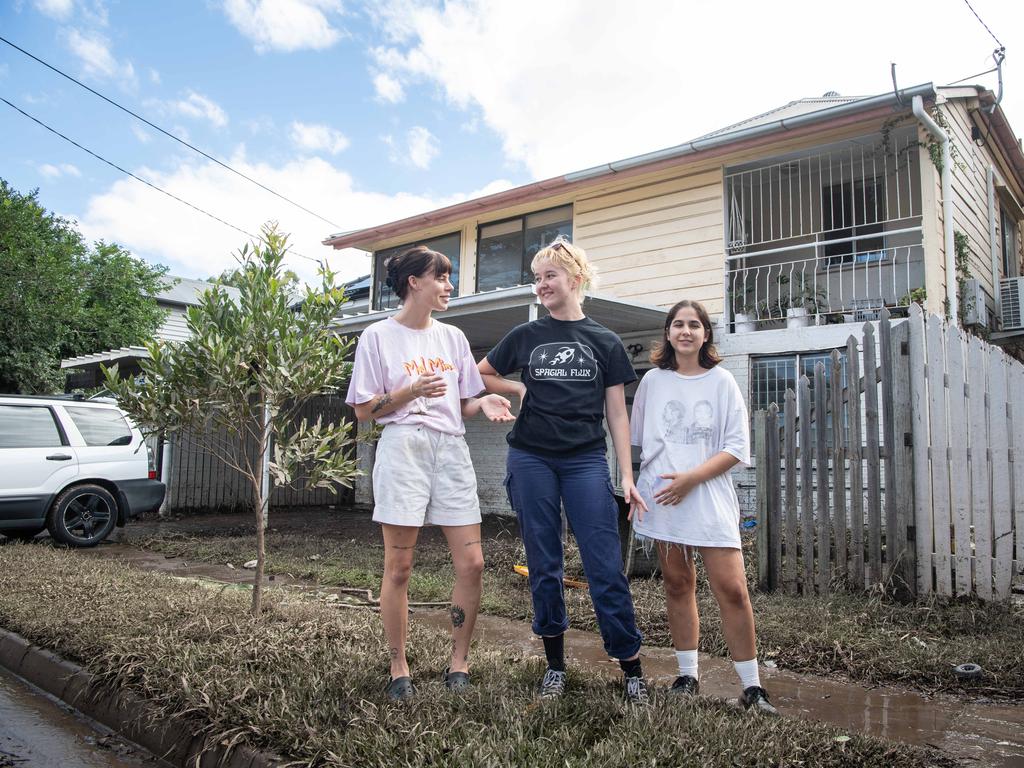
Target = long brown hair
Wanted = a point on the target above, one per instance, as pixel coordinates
(662, 354)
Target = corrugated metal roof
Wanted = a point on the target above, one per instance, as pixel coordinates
(186, 291)
(791, 109)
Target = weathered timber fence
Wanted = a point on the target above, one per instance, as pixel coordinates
(903, 475)
(200, 480)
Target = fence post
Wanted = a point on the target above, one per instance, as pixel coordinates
(760, 453)
(921, 446)
(898, 371)
(821, 477)
(806, 486)
(838, 464)
(791, 527)
(874, 473)
(959, 490)
(856, 464)
(1002, 522)
(774, 496)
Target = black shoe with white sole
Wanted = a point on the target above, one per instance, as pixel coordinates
(756, 698)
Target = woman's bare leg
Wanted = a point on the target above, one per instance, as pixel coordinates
(679, 577)
(468, 558)
(728, 581)
(399, 545)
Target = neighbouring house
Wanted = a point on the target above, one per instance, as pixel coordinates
(794, 228)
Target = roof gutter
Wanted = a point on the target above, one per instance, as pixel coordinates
(935, 130)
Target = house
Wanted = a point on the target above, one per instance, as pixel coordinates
(793, 228)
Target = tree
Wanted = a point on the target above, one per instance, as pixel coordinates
(59, 298)
(236, 384)
(234, 276)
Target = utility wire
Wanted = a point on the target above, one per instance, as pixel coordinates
(971, 77)
(139, 178)
(168, 133)
(968, 3)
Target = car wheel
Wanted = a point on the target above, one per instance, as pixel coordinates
(21, 534)
(82, 516)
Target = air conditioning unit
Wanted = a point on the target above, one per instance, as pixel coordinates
(1011, 300)
(972, 303)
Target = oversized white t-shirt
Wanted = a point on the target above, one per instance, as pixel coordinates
(680, 422)
(390, 356)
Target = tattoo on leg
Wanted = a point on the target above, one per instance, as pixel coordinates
(394, 653)
(471, 543)
(384, 402)
(396, 546)
(458, 616)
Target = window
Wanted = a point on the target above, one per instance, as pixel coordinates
(449, 245)
(506, 248)
(770, 377)
(101, 426)
(854, 210)
(28, 426)
(1008, 232)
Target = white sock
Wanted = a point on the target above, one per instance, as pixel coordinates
(747, 670)
(687, 663)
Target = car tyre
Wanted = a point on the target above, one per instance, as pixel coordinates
(21, 534)
(82, 516)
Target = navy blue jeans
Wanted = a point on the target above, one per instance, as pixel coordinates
(538, 486)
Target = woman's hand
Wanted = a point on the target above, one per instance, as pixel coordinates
(631, 495)
(429, 385)
(681, 484)
(496, 408)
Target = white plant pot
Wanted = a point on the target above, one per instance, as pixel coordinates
(797, 317)
(745, 323)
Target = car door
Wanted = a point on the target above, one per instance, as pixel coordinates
(36, 461)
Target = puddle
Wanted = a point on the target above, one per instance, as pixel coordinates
(987, 734)
(36, 731)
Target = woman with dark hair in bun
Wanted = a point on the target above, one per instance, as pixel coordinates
(417, 377)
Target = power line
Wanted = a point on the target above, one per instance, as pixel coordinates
(967, 2)
(139, 178)
(169, 134)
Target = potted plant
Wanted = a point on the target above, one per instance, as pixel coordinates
(804, 299)
(745, 305)
(916, 296)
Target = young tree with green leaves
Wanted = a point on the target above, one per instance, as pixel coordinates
(60, 298)
(236, 384)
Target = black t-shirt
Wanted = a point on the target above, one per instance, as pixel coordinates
(566, 366)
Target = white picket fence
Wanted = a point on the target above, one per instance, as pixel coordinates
(967, 414)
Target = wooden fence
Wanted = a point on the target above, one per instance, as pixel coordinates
(858, 483)
(199, 480)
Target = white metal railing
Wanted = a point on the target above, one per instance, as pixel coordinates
(850, 287)
(858, 186)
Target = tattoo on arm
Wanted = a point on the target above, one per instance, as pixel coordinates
(384, 402)
(458, 616)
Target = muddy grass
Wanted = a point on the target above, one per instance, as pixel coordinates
(305, 682)
(866, 637)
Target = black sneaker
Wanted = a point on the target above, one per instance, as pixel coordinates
(755, 697)
(553, 684)
(400, 690)
(636, 691)
(456, 681)
(684, 685)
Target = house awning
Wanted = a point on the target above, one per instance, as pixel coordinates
(108, 358)
(485, 318)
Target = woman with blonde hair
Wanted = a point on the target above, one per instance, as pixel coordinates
(572, 374)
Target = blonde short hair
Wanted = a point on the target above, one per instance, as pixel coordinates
(571, 258)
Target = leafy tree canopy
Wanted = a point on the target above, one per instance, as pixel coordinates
(59, 297)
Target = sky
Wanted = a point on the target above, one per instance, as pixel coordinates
(367, 112)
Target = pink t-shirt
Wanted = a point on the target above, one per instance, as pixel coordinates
(390, 356)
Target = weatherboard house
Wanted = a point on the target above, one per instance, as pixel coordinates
(794, 228)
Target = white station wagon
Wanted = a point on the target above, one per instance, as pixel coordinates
(76, 467)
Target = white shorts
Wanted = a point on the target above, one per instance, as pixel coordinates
(423, 477)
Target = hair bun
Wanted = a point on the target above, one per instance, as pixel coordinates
(391, 280)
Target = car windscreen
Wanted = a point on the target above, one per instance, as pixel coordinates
(27, 426)
(101, 426)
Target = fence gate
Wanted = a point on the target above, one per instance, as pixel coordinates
(901, 475)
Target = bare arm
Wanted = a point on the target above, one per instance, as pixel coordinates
(498, 384)
(681, 483)
(618, 425)
(381, 405)
(494, 407)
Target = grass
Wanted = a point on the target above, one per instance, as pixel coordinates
(304, 681)
(867, 638)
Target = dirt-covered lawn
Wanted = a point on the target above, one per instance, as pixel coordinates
(868, 638)
(304, 681)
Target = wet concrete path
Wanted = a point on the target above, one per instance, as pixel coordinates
(985, 733)
(37, 731)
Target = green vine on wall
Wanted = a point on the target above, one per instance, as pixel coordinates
(934, 147)
(961, 263)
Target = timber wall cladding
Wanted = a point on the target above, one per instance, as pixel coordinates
(199, 480)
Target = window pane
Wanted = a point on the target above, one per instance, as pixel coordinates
(23, 426)
(449, 245)
(542, 228)
(101, 426)
(500, 259)
(770, 378)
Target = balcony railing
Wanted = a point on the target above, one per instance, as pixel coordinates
(851, 287)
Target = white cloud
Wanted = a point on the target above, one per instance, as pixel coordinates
(55, 9)
(94, 55)
(316, 137)
(198, 107)
(50, 171)
(140, 133)
(154, 77)
(599, 81)
(162, 230)
(419, 148)
(285, 25)
(388, 88)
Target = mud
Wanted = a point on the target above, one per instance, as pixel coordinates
(985, 733)
(37, 731)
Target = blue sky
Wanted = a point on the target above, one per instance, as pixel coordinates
(367, 112)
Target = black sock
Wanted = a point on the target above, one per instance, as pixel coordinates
(632, 667)
(554, 649)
